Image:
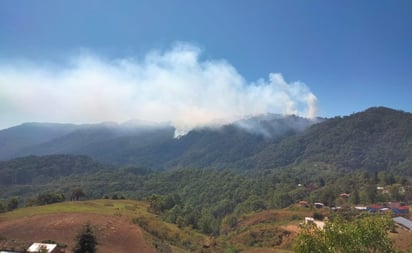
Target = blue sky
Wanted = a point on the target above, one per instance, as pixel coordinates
(350, 54)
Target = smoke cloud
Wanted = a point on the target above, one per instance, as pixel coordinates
(174, 86)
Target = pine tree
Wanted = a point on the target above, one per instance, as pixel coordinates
(85, 240)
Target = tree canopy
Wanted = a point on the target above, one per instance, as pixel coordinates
(85, 240)
(362, 235)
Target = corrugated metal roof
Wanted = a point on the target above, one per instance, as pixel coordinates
(404, 222)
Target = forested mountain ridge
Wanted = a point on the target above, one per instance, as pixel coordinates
(155, 147)
(376, 139)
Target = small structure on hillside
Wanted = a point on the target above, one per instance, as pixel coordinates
(375, 208)
(44, 247)
(361, 208)
(344, 195)
(311, 221)
(303, 203)
(399, 208)
(402, 210)
(404, 223)
(318, 205)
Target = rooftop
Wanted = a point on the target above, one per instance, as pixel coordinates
(404, 222)
(36, 247)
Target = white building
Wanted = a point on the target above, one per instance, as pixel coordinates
(38, 247)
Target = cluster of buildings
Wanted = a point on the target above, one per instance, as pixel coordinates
(395, 207)
(399, 211)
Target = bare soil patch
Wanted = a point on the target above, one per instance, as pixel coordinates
(114, 233)
(402, 239)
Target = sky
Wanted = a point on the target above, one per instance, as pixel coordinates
(194, 63)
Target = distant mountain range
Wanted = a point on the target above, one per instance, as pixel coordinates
(150, 145)
(375, 139)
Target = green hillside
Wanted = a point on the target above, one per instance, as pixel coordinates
(43, 169)
(376, 139)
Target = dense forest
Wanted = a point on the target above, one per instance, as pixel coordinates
(204, 199)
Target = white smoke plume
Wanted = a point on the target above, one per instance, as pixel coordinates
(174, 86)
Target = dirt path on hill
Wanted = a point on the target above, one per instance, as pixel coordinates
(114, 234)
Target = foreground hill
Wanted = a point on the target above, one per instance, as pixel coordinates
(61, 222)
(127, 226)
(111, 220)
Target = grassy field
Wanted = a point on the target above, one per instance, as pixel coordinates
(106, 207)
(162, 236)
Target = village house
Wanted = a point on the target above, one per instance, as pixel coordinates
(399, 208)
(44, 247)
(375, 208)
(344, 195)
(318, 205)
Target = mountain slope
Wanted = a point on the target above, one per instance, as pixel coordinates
(33, 169)
(228, 146)
(109, 144)
(156, 147)
(378, 138)
(15, 139)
